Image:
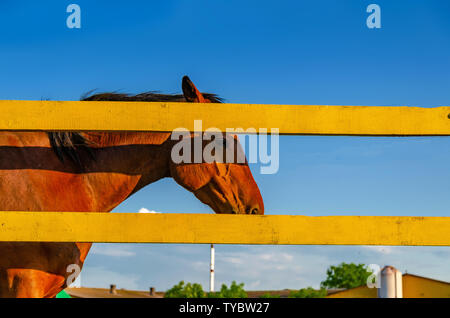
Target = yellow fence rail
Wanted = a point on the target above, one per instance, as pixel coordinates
(223, 229)
(289, 119)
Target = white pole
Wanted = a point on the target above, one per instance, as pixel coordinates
(211, 270)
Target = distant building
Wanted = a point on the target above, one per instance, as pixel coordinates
(409, 286)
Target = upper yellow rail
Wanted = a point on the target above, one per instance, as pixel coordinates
(223, 229)
(289, 119)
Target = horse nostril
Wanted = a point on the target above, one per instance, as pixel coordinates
(251, 210)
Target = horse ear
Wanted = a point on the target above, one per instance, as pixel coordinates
(191, 92)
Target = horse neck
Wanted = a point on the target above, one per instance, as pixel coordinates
(125, 162)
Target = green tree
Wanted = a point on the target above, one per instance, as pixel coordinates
(308, 292)
(234, 291)
(185, 291)
(346, 276)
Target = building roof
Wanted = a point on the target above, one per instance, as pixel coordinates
(87, 292)
(427, 278)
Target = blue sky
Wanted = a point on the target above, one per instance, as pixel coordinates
(283, 52)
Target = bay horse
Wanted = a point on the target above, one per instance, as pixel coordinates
(96, 171)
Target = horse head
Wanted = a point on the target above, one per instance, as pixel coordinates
(227, 186)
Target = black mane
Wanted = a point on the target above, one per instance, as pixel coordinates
(144, 97)
(69, 144)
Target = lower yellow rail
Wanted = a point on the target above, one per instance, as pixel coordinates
(223, 229)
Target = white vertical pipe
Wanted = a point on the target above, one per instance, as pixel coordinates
(211, 270)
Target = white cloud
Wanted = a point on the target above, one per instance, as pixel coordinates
(287, 257)
(199, 265)
(253, 285)
(100, 277)
(232, 260)
(144, 210)
(379, 249)
(111, 250)
(266, 257)
(270, 267)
